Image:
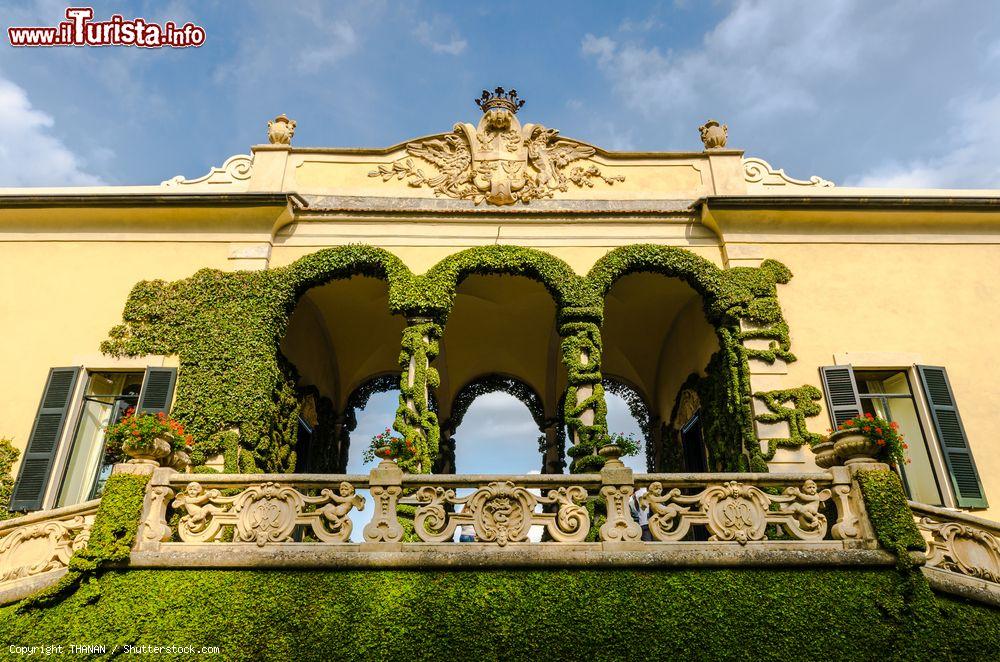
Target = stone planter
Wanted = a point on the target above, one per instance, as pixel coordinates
(150, 454)
(826, 455)
(383, 452)
(611, 453)
(854, 448)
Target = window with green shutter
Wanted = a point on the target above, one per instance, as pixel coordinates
(952, 438)
(43, 442)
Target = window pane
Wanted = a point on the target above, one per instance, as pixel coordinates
(918, 475)
(86, 459)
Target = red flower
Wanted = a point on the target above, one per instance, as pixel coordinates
(846, 423)
(906, 445)
(866, 429)
(894, 425)
(878, 430)
(869, 416)
(880, 442)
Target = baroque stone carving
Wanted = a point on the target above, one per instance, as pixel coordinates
(265, 513)
(497, 161)
(237, 168)
(736, 511)
(501, 512)
(959, 547)
(42, 546)
(759, 171)
(280, 130)
(713, 134)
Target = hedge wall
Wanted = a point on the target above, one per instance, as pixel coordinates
(510, 615)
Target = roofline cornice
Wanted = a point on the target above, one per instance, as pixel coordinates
(851, 202)
(49, 200)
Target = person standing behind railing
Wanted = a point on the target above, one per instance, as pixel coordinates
(640, 514)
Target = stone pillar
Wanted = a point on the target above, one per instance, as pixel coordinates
(654, 457)
(445, 463)
(552, 458)
(414, 418)
(585, 410)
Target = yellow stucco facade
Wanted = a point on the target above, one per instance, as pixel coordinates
(884, 280)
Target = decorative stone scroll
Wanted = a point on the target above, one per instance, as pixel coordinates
(759, 171)
(960, 547)
(41, 546)
(734, 511)
(237, 168)
(501, 512)
(265, 513)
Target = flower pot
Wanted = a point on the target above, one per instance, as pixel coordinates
(826, 455)
(852, 447)
(384, 452)
(147, 452)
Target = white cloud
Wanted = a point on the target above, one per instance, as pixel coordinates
(432, 35)
(830, 87)
(966, 158)
(30, 155)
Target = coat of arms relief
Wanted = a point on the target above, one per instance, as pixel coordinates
(499, 160)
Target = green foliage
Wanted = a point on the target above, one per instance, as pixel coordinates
(111, 538)
(8, 456)
(803, 401)
(626, 443)
(226, 327)
(889, 513)
(706, 614)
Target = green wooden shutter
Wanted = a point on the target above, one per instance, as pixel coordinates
(951, 435)
(842, 400)
(36, 468)
(157, 390)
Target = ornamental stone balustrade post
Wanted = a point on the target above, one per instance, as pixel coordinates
(617, 486)
(153, 526)
(386, 482)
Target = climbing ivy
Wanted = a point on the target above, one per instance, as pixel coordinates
(804, 400)
(8, 456)
(226, 328)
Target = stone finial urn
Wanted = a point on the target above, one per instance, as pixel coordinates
(713, 134)
(611, 453)
(280, 130)
(148, 453)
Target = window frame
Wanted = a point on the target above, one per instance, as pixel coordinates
(65, 442)
(875, 361)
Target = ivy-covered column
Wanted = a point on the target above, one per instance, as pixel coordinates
(585, 410)
(414, 418)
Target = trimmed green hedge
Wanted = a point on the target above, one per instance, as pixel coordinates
(511, 615)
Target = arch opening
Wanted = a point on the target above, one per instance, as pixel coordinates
(343, 345)
(655, 335)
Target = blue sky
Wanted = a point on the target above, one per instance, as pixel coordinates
(895, 93)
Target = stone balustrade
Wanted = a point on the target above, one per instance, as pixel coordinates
(36, 547)
(281, 519)
(958, 542)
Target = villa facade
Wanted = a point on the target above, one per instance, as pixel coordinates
(741, 311)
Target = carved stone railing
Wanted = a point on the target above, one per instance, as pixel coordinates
(960, 543)
(208, 513)
(42, 542)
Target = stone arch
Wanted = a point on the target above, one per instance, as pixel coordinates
(472, 390)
